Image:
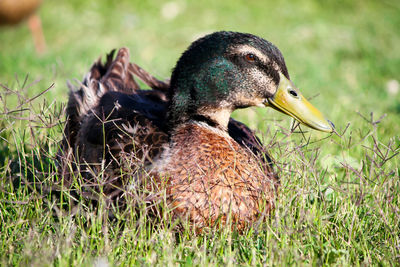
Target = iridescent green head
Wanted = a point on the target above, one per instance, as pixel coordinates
(224, 71)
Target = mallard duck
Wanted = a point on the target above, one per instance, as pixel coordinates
(14, 11)
(178, 139)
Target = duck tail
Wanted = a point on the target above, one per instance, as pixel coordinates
(113, 75)
(149, 79)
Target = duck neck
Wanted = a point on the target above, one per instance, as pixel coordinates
(214, 117)
(218, 118)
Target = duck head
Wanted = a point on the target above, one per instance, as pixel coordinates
(225, 71)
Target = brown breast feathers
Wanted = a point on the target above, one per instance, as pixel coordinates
(211, 177)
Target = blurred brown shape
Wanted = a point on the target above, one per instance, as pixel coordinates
(14, 11)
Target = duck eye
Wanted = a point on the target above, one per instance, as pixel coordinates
(250, 57)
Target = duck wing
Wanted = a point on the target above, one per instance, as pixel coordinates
(113, 129)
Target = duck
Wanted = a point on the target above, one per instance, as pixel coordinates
(177, 142)
(13, 12)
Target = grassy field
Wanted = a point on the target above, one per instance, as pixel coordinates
(339, 203)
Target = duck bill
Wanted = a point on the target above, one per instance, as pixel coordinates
(290, 101)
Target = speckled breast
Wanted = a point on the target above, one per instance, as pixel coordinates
(212, 179)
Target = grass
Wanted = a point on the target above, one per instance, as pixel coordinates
(339, 201)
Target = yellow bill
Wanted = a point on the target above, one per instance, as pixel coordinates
(290, 101)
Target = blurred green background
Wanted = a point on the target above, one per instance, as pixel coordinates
(347, 53)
